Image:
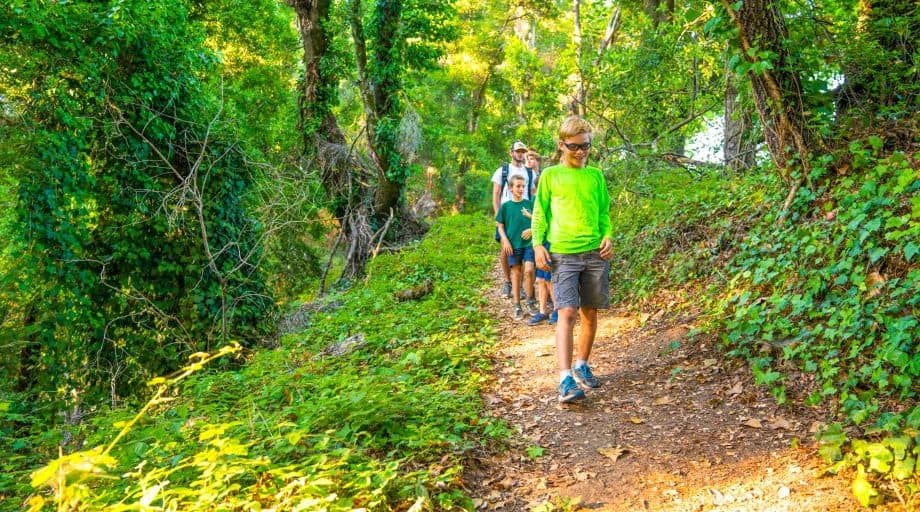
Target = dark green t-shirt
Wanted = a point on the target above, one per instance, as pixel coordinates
(511, 215)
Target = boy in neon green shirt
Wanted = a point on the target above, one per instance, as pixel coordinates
(572, 210)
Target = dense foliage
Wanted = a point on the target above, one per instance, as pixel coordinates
(169, 169)
(370, 402)
(135, 242)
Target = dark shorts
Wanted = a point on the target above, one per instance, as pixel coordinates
(519, 256)
(498, 238)
(545, 275)
(581, 280)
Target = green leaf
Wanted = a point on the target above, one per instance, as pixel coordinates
(904, 469)
(910, 250)
(862, 489)
(876, 253)
(880, 458)
(293, 437)
(535, 452)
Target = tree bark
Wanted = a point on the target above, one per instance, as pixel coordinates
(324, 141)
(319, 84)
(658, 15)
(738, 148)
(380, 84)
(472, 124)
(460, 195)
(578, 106)
(777, 92)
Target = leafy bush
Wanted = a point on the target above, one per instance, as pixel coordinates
(372, 405)
(831, 288)
(131, 201)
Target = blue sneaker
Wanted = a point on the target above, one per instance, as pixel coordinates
(569, 392)
(553, 317)
(584, 377)
(536, 319)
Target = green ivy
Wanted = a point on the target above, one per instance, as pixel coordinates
(120, 282)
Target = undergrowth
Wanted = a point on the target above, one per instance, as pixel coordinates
(372, 405)
(830, 288)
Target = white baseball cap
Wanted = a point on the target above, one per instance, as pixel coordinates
(518, 145)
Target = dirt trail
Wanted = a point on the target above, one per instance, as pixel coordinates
(673, 427)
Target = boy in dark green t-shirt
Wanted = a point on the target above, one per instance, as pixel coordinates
(514, 231)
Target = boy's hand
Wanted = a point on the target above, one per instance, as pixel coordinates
(526, 213)
(506, 247)
(606, 249)
(541, 258)
(526, 234)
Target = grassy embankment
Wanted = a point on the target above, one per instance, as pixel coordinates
(371, 403)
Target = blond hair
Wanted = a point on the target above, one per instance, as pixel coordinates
(574, 125)
(536, 156)
(516, 177)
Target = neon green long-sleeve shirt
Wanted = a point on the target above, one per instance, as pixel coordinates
(571, 209)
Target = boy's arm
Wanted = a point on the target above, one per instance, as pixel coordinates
(538, 221)
(496, 197)
(538, 227)
(506, 244)
(604, 225)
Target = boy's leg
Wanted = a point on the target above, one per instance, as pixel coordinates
(506, 273)
(516, 283)
(566, 273)
(529, 287)
(564, 327)
(515, 290)
(594, 288)
(529, 273)
(542, 294)
(529, 279)
(587, 332)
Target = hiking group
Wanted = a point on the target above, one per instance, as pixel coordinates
(556, 239)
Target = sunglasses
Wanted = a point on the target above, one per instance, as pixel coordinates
(575, 147)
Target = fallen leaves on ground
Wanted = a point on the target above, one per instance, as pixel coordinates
(613, 452)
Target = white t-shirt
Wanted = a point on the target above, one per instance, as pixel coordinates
(512, 170)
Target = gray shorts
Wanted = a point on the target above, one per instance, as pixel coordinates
(581, 280)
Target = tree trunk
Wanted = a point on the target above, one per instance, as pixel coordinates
(380, 85)
(319, 84)
(653, 9)
(578, 105)
(472, 124)
(738, 148)
(324, 142)
(460, 195)
(777, 91)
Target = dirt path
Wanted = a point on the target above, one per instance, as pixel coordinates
(673, 427)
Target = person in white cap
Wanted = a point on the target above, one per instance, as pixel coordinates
(501, 194)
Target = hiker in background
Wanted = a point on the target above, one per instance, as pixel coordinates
(572, 211)
(502, 194)
(543, 283)
(534, 162)
(513, 223)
